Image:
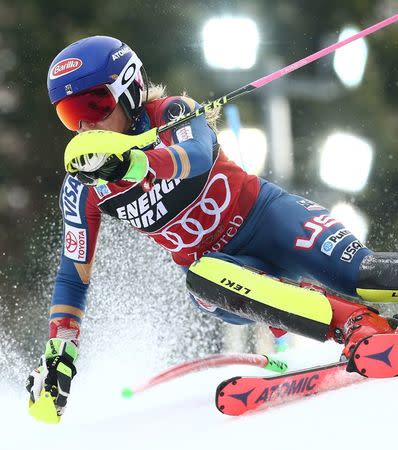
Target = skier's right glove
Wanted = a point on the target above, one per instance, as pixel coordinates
(49, 384)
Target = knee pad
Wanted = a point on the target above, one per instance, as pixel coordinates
(378, 278)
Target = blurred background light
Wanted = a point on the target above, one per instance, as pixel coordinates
(230, 42)
(350, 61)
(249, 150)
(17, 197)
(352, 218)
(345, 161)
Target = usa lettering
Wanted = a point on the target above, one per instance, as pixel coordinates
(316, 225)
(351, 250)
(148, 208)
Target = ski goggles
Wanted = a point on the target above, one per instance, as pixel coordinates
(97, 103)
(90, 106)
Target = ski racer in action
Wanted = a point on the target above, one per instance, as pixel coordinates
(224, 227)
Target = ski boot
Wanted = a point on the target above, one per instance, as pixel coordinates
(370, 340)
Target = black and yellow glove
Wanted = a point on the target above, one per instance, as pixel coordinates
(49, 385)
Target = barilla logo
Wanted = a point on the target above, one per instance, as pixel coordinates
(64, 67)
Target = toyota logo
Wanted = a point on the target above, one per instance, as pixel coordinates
(71, 242)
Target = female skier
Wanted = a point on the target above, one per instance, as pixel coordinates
(186, 195)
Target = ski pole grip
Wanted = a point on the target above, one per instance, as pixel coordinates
(275, 365)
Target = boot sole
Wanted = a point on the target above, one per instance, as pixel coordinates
(375, 356)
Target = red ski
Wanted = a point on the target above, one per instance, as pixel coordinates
(376, 356)
(373, 357)
(241, 394)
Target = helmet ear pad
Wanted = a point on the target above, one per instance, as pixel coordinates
(131, 100)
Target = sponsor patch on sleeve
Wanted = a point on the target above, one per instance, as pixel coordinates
(351, 250)
(75, 243)
(184, 133)
(70, 200)
(102, 190)
(330, 243)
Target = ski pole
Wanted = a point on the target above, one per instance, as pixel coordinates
(100, 141)
(208, 362)
(277, 74)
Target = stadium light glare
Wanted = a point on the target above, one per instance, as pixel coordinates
(345, 161)
(350, 61)
(352, 218)
(249, 151)
(230, 43)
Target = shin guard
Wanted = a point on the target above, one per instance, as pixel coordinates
(260, 298)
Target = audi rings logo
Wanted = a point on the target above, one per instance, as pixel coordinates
(188, 231)
(70, 242)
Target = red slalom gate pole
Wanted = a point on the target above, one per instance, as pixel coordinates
(208, 362)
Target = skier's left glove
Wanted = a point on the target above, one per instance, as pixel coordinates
(49, 384)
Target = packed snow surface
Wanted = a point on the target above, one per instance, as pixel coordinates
(139, 322)
(180, 414)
